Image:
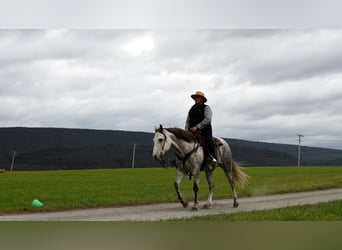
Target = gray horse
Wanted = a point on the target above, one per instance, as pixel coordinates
(190, 157)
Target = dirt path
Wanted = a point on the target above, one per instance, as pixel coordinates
(167, 211)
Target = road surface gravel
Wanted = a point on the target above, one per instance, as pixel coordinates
(166, 211)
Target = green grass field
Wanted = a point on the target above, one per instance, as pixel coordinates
(328, 211)
(71, 189)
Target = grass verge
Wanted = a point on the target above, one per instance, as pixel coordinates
(328, 211)
(72, 189)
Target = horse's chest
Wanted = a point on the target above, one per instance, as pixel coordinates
(187, 166)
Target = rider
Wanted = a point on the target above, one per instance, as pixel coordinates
(199, 120)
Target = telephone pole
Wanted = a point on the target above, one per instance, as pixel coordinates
(133, 156)
(13, 157)
(299, 141)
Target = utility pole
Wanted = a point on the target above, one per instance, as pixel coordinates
(133, 156)
(13, 157)
(299, 141)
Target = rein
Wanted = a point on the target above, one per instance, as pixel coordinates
(163, 163)
(182, 159)
(187, 155)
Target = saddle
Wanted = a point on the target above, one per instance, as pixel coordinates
(200, 140)
(217, 142)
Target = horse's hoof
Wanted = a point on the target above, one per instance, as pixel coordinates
(206, 205)
(185, 204)
(235, 204)
(194, 209)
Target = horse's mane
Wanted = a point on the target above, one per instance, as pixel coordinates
(183, 134)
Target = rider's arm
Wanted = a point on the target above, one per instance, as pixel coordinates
(208, 114)
(187, 122)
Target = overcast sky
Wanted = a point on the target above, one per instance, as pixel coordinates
(262, 85)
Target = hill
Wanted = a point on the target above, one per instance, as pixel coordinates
(62, 148)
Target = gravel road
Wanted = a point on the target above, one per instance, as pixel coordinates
(165, 211)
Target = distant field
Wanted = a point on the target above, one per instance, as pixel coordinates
(71, 189)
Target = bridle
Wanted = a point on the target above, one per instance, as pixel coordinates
(182, 159)
(164, 141)
(161, 160)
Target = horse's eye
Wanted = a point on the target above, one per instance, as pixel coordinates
(160, 140)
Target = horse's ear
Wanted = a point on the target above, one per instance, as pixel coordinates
(160, 129)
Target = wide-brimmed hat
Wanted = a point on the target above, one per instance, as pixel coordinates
(201, 94)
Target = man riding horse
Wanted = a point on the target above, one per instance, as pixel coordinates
(191, 157)
(199, 121)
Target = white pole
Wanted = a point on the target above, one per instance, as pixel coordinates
(13, 157)
(133, 156)
(299, 141)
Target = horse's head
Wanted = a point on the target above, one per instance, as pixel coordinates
(162, 143)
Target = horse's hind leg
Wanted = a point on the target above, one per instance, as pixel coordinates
(209, 175)
(228, 170)
(179, 178)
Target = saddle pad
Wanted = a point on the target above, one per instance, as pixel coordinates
(217, 141)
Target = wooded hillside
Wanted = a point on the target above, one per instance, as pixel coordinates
(61, 148)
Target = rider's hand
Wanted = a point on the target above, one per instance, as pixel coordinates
(194, 129)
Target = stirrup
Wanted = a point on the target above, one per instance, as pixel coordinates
(211, 165)
(211, 158)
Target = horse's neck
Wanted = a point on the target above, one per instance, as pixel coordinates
(180, 145)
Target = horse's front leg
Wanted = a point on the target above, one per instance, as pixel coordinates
(209, 175)
(195, 189)
(179, 178)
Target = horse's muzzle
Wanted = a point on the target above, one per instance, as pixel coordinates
(156, 157)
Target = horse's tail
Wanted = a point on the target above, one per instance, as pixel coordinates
(239, 176)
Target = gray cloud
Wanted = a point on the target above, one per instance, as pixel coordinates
(264, 85)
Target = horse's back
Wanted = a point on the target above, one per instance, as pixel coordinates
(223, 146)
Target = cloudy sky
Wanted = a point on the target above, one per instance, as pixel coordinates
(263, 85)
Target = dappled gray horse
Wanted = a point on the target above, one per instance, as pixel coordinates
(190, 157)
